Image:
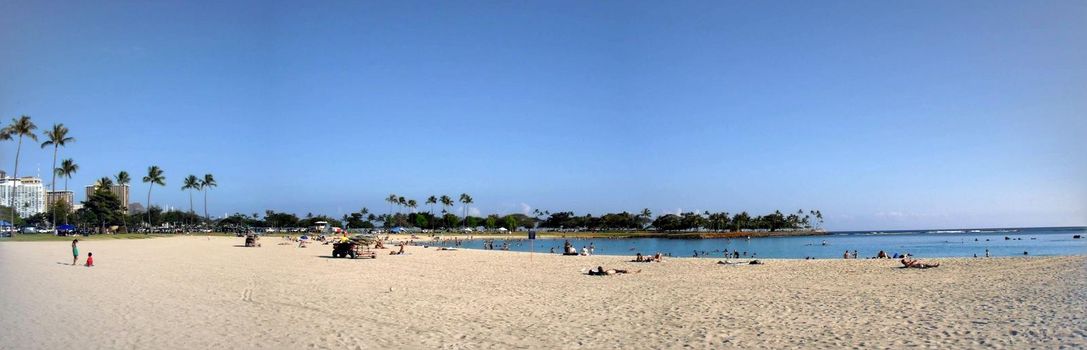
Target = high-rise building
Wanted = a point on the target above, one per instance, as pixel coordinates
(60, 196)
(121, 191)
(29, 195)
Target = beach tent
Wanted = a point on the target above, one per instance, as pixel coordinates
(502, 229)
(397, 229)
(66, 227)
(4, 223)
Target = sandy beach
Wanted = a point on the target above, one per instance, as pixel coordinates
(199, 293)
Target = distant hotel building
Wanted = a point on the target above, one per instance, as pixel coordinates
(62, 196)
(121, 191)
(29, 194)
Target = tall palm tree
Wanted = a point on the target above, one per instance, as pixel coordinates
(431, 201)
(58, 137)
(391, 199)
(122, 180)
(400, 202)
(446, 201)
(412, 204)
(207, 183)
(191, 183)
(155, 176)
(467, 200)
(66, 169)
(21, 127)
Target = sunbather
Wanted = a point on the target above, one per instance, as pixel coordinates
(917, 264)
(601, 272)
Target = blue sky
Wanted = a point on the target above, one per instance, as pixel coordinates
(884, 115)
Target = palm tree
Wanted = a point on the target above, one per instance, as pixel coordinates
(122, 180)
(446, 202)
(647, 215)
(391, 199)
(205, 184)
(431, 201)
(21, 127)
(58, 137)
(103, 184)
(191, 183)
(412, 204)
(155, 176)
(400, 202)
(467, 200)
(66, 169)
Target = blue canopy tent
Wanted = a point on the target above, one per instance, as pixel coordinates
(4, 223)
(66, 227)
(397, 229)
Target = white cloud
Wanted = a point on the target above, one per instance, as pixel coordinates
(890, 214)
(473, 211)
(526, 209)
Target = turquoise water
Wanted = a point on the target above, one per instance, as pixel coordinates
(934, 243)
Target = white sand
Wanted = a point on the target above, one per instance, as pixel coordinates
(196, 293)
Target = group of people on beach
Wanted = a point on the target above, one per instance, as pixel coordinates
(655, 258)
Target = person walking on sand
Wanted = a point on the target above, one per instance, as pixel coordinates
(75, 251)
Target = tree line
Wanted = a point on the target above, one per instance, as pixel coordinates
(102, 207)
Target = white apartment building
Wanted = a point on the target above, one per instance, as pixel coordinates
(29, 195)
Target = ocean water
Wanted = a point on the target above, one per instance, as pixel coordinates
(923, 243)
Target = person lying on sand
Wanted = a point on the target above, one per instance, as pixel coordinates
(917, 264)
(752, 262)
(601, 272)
